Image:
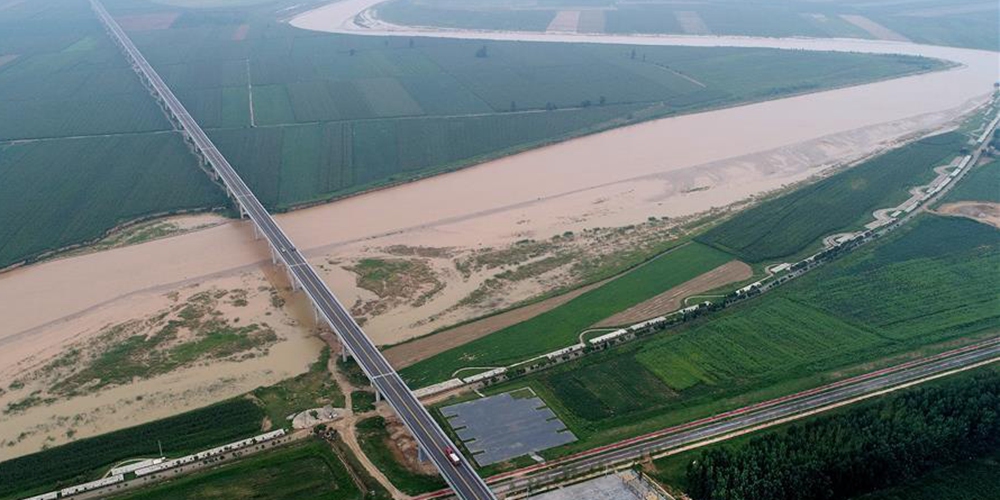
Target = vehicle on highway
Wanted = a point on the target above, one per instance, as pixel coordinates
(453, 456)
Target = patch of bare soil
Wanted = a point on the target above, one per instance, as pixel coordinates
(671, 300)
(987, 213)
(404, 448)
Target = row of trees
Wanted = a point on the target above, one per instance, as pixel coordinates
(867, 448)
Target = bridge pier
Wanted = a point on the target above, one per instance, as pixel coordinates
(421, 454)
(345, 353)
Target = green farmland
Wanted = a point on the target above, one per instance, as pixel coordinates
(307, 470)
(329, 116)
(83, 148)
(68, 79)
(794, 222)
(561, 326)
(337, 114)
(931, 283)
(87, 459)
(68, 191)
(924, 21)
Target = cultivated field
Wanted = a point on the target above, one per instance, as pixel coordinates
(69, 191)
(789, 224)
(329, 115)
(340, 114)
(69, 80)
(929, 284)
(965, 25)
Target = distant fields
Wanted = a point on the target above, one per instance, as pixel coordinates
(560, 327)
(937, 23)
(331, 115)
(86, 459)
(289, 165)
(306, 470)
(932, 282)
(791, 223)
(68, 78)
(337, 114)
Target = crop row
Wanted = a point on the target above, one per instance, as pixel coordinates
(64, 192)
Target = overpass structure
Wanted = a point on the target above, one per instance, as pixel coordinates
(433, 442)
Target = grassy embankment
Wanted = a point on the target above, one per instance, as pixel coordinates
(334, 114)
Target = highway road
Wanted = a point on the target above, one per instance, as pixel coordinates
(740, 420)
(433, 441)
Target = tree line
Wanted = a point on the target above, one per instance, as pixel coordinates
(883, 443)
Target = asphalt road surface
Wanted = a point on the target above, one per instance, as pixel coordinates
(461, 477)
